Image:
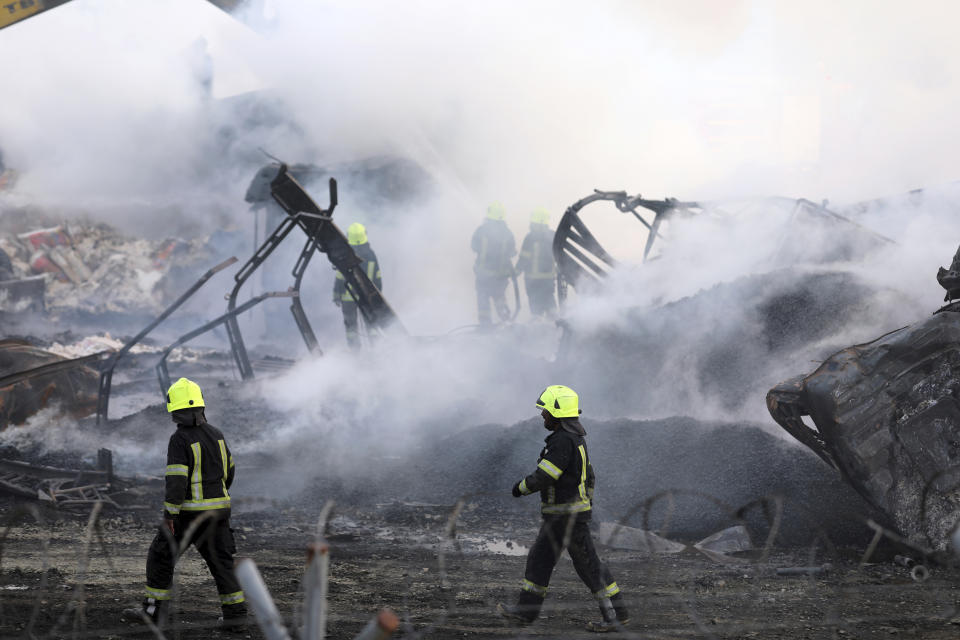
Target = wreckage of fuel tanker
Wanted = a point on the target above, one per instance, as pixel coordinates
(887, 417)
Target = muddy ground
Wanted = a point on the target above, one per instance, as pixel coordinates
(389, 556)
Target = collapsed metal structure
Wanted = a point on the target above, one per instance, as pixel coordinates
(581, 259)
(322, 235)
(580, 256)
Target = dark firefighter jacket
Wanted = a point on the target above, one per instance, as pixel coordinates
(370, 266)
(495, 247)
(199, 470)
(564, 476)
(6, 266)
(536, 254)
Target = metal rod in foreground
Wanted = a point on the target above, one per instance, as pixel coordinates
(257, 594)
(315, 591)
(381, 627)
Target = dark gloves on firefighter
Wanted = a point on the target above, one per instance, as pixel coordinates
(336, 301)
(516, 490)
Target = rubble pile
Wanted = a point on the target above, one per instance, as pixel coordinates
(721, 348)
(635, 460)
(93, 267)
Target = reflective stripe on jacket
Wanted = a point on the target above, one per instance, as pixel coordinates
(564, 476)
(536, 254)
(200, 470)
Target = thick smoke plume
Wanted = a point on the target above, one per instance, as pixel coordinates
(532, 104)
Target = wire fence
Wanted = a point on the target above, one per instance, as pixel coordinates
(833, 591)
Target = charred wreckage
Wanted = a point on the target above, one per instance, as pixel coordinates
(886, 413)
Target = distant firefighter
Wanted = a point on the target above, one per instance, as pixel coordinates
(537, 265)
(199, 473)
(565, 480)
(6, 266)
(357, 237)
(495, 247)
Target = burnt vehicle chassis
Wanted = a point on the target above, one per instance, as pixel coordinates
(886, 415)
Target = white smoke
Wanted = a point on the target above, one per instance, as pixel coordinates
(533, 104)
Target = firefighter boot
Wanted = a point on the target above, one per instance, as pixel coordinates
(157, 610)
(524, 612)
(234, 618)
(620, 608)
(609, 622)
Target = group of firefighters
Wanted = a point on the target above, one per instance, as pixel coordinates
(196, 510)
(200, 467)
(495, 247)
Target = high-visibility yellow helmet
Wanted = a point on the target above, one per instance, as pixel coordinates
(184, 394)
(540, 216)
(356, 234)
(496, 211)
(560, 401)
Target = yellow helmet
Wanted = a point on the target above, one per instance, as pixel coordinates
(356, 234)
(496, 211)
(540, 216)
(184, 394)
(560, 401)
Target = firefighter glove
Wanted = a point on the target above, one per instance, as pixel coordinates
(516, 490)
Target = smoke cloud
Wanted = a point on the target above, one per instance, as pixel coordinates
(533, 104)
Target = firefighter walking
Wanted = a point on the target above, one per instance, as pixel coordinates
(357, 237)
(495, 247)
(565, 480)
(199, 473)
(537, 265)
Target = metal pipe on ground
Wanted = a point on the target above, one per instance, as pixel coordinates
(256, 592)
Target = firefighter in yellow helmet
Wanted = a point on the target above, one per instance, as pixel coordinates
(537, 265)
(199, 473)
(357, 237)
(564, 478)
(495, 247)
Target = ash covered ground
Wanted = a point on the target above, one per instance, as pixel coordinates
(112, 205)
(395, 487)
(400, 432)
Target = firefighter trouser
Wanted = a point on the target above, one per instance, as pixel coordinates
(492, 288)
(350, 323)
(540, 295)
(545, 553)
(214, 540)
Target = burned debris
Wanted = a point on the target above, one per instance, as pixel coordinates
(38, 379)
(76, 489)
(578, 254)
(582, 260)
(886, 415)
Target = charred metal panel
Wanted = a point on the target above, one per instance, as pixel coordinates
(316, 222)
(887, 415)
(43, 379)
